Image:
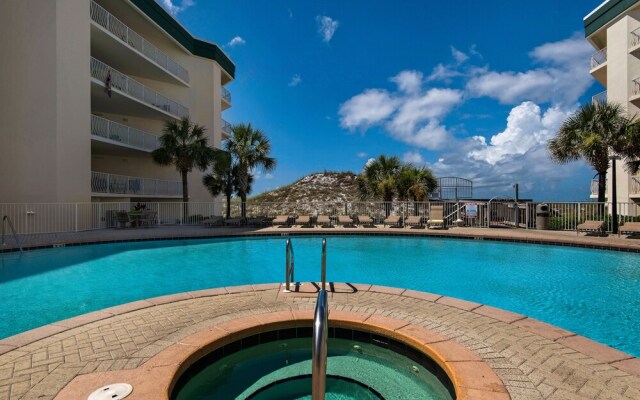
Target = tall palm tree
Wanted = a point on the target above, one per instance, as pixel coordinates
(378, 180)
(592, 133)
(224, 179)
(250, 150)
(184, 145)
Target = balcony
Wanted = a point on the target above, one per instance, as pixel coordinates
(114, 133)
(226, 129)
(226, 98)
(635, 92)
(600, 97)
(120, 185)
(634, 188)
(129, 97)
(599, 66)
(153, 62)
(634, 42)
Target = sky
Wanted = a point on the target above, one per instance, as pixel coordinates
(467, 88)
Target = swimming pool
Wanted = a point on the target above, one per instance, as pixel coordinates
(591, 292)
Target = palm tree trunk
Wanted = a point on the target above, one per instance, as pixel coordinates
(185, 196)
(228, 206)
(243, 172)
(602, 189)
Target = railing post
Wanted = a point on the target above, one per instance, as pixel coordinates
(76, 217)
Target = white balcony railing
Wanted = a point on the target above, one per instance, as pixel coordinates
(105, 19)
(636, 87)
(226, 95)
(226, 127)
(635, 185)
(114, 131)
(599, 58)
(635, 37)
(600, 97)
(135, 186)
(133, 88)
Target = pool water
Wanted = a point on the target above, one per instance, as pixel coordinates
(265, 372)
(591, 292)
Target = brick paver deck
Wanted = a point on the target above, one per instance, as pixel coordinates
(533, 359)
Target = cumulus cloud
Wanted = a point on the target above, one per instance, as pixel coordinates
(366, 109)
(413, 157)
(237, 40)
(295, 80)
(443, 73)
(562, 78)
(408, 81)
(326, 27)
(173, 8)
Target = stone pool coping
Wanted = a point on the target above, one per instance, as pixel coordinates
(587, 348)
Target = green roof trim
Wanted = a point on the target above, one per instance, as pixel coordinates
(196, 46)
(606, 14)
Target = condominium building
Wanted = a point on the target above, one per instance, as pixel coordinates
(87, 87)
(613, 29)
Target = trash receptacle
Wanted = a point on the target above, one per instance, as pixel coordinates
(542, 216)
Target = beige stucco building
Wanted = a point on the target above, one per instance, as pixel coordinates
(63, 138)
(613, 29)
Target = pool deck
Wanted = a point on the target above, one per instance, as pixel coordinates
(532, 360)
(570, 238)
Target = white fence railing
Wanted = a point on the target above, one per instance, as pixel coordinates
(105, 19)
(135, 186)
(133, 88)
(226, 94)
(226, 127)
(104, 128)
(598, 58)
(74, 217)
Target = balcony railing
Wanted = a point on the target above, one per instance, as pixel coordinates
(600, 97)
(635, 185)
(105, 19)
(226, 95)
(635, 37)
(108, 129)
(135, 186)
(226, 127)
(636, 87)
(599, 58)
(133, 88)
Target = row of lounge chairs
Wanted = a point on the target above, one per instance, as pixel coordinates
(628, 228)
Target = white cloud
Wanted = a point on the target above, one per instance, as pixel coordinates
(413, 157)
(361, 154)
(238, 40)
(408, 81)
(366, 109)
(562, 79)
(443, 73)
(173, 8)
(326, 27)
(295, 80)
(459, 56)
(268, 176)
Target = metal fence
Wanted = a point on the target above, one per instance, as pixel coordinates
(75, 217)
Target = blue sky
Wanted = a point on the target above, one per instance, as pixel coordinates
(469, 88)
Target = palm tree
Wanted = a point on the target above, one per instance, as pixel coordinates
(592, 133)
(378, 180)
(223, 179)
(250, 150)
(185, 146)
(415, 183)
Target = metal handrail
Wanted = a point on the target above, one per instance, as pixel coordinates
(323, 273)
(289, 266)
(7, 220)
(319, 349)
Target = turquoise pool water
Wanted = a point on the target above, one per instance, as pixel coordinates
(591, 292)
(262, 372)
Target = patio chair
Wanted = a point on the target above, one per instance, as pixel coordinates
(436, 217)
(324, 221)
(413, 220)
(365, 220)
(122, 218)
(234, 221)
(590, 226)
(392, 220)
(213, 221)
(345, 220)
(282, 220)
(304, 220)
(629, 228)
(258, 221)
(148, 218)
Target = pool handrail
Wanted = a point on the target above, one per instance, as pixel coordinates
(323, 275)
(8, 221)
(289, 266)
(319, 349)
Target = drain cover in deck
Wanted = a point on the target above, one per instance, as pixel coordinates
(115, 391)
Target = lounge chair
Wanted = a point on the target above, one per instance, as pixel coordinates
(345, 220)
(234, 221)
(391, 220)
(436, 217)
(413, 220)
(213, 221)
(257, 221)
(630, 228)
(365, 220)
(590, 226)
(323, 220)
(281, 220)
(122, 218)
(304, 220)
(148, 218)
